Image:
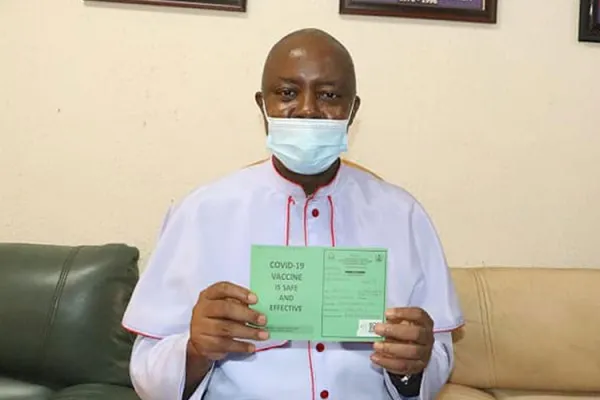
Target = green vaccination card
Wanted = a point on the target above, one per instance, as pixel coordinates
(320, 293)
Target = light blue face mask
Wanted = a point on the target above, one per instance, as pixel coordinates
(307, 146)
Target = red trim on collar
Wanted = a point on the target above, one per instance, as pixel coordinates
(333, 180)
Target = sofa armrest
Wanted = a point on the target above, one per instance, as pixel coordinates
(61, 309)
(96, 392)
(452, 391)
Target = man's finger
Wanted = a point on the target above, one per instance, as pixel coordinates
(233, 330)
(226, 290)
(215, 356)
(400, 350)
(403, 333)
(410, 314)
(398, 366)
(223, 345)
(236, 301)
(222, 309)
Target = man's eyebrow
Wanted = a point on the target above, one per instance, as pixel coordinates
(289, 80)
(320, 82)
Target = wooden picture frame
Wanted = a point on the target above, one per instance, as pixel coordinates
(482, 11)
(589, 21)
(220, 5)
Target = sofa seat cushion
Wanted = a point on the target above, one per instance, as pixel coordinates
(459, 392)
(534, 395)
(12, 389)
(96, 392)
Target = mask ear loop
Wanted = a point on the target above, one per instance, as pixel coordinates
(266, 114)
(264, 109)
(350, 113)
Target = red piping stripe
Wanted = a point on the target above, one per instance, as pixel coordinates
(305, 222)
(140, 333)
(287, 220)
(287, 243)
(300, 186)
(312, 372)
(276, 346)
(310, 363)
(137, 333)
(446, 330)
(331, 225)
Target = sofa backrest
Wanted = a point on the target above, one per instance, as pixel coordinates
(528, 328)
(61, 310)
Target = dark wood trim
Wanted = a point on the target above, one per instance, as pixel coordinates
(358, 7)
(221, 5)
(589, 21)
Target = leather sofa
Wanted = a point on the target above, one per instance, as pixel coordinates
(530, 334)
(60, 321)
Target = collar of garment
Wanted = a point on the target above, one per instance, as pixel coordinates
(280, 183)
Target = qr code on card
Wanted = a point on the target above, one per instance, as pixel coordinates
(366, 327)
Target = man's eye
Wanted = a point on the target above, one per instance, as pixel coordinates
(287, 93)
(329, 96)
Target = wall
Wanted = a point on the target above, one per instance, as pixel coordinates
(108, 113)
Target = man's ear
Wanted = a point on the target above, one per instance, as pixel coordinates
(354, 110)
(259, 100)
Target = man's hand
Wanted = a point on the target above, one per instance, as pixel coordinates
(220, 316)
(408, 343)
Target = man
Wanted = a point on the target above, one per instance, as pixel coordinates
(191, 307)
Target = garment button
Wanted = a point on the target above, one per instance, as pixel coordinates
(315, 212)
(320, 347)
(324, 394)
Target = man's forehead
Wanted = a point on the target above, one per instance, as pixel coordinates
(312, 60)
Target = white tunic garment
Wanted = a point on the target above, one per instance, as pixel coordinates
(207, 239)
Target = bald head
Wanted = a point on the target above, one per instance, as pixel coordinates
(308, 74)
(311, 40)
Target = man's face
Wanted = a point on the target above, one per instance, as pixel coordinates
(308, 79)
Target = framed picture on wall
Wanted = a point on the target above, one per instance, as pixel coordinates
(224, 5)
(483, 11)
(589, 21)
